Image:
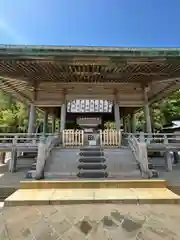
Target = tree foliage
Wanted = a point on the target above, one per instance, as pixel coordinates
(162, 112)
(13, 114)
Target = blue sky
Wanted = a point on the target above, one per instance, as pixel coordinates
(90, 22)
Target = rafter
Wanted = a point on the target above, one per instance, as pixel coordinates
(54, 70)
(8, 85)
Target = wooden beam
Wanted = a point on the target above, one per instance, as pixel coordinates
(163, 92)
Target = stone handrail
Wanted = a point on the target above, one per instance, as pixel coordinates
(18, 142)
(44, 150)
(163, 138)
(139, 150)
(23, 134)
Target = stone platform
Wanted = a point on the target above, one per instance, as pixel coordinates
(101, 216)
(78, 192)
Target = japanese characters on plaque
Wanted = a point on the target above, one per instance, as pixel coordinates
(89, 105)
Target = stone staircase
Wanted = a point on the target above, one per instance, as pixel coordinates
(121, 164)
(62, 163)
(28, 160)
(92, 163)
(89, 162)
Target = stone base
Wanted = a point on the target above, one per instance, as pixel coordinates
(97, 191)
(24, 197)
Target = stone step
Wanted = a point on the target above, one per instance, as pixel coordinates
(134, 174)
(95, 149)
(92, 174)
(92, 166)
(68, 176)
(25, 158)
(30, 154)
(33, 167)
(25, 162)
(27, 197)
(59, 184)
(93, 153)
(92, 159)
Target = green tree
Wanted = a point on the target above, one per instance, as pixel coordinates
(13, 114)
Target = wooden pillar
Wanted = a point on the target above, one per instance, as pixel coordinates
(117, 117)
(45, 123)
(32, 118)
(63, 117)
(147, 112)
(133, 123)
(53, 124)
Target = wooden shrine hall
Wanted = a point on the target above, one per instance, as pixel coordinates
(109, 82)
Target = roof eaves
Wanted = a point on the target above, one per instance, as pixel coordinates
(116, 51)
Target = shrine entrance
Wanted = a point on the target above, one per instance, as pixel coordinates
(89, 117)
(91, 130)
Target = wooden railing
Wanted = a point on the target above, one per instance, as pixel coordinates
(72, 138)
(110, 137)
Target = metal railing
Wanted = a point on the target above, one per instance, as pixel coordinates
(72, 138)
(110, 137)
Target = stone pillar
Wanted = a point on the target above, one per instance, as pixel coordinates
(32, 118)
(63, 117)
(53, 124)
(147, 114)
(40, 159)
(45, 124)
(168, 161)
(13, 161)
(133, 123)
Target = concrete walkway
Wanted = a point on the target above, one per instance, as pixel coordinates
(90, 221)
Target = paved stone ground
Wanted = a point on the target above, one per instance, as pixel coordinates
(90, 221)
